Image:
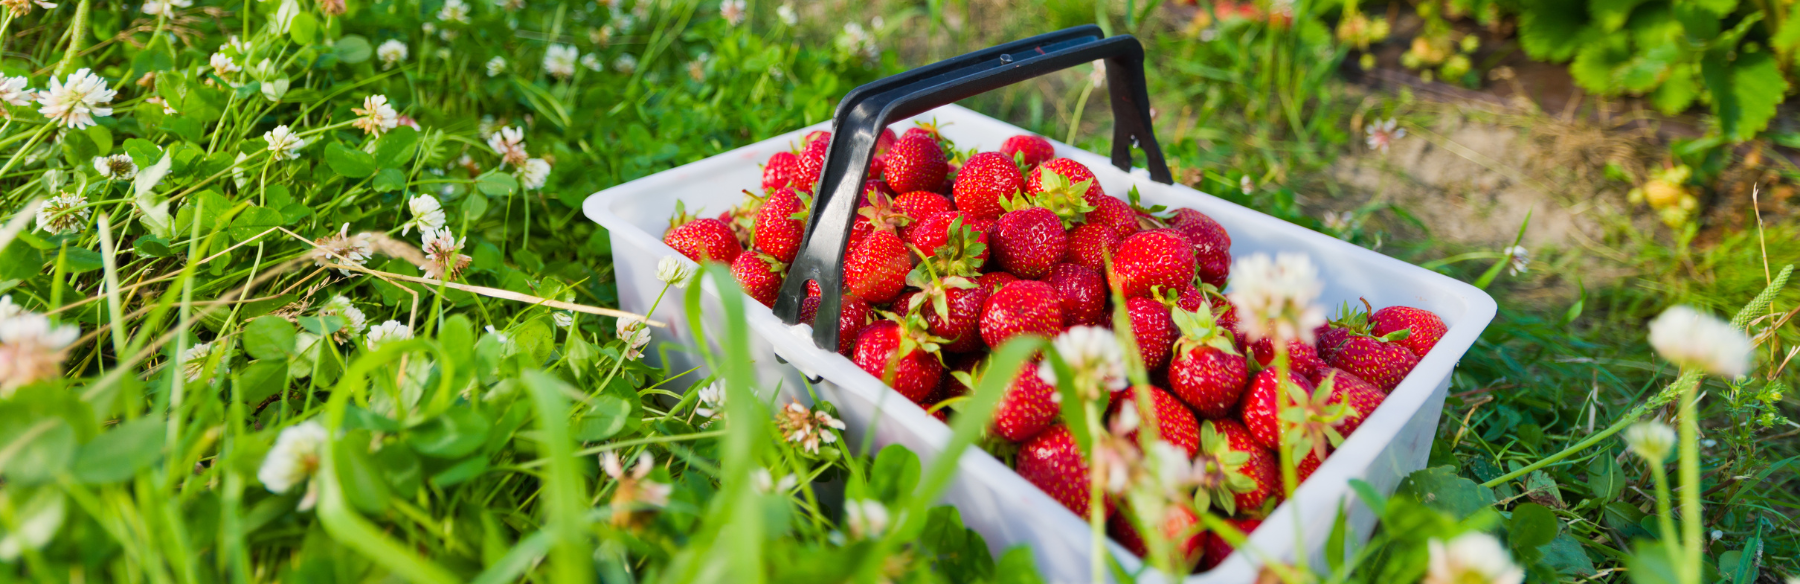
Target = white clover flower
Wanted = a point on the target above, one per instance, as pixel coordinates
(454, 11)
(16, 91)
(1520, 259)
(344, 249)
(1097, 77)
(1690, 338)
(806, 427)
(496, 66)
(1339, 221)
(391, 52)
(116, 167)
(733, 11)
(1471, 558)
(392, 330)
(427, 215)
(64, 213)
(636, 335)
(697, 68)
(223, 65)
(194, 360)
(712, 400)
(284, 144)
(626, 64)
(1277, 298)
(785, 13)
(165, 8)
(294, 460)
(354, 320)
(1382, 134)
(23, 7)
(559, 60)
(444, 259)
(31, 347)
(674, 271)
(865, 517)
(377, 115)
(633, 488)
(591, 61)
(509, 143)
(75, 102)
(857, 41)
(765, 483)
(1093, 354)
(563, 319)
(534, 173)
(167, 110)
(1652, 440)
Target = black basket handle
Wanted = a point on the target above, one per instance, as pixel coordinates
(867, 110)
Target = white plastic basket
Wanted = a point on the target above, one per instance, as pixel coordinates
(992, 499)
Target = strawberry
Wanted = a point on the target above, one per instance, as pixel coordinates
(1154, 328)
(1028, 241)
(1028, 149)
(1328, 339)
(853, 315)
(916, 163)
(876, 270)
(1068, 170)
(1361, 396)
(1072, 201)
(760, 274)
(1224, 312)
(959, 379)
(1024, 307)
(1179, 524)
(1259, 466)
(918, 205)
(780, 171)
(950, 306)
(1115, 214)
(1151, 259)
(1426, 328)
(1261, 412)
(902, 355)
(984, 181)
(812, 160)
(994, 281)
(781, 222)
(1090, 245)
(952, 247)
(1215, 547)
(1212, 246)
(1207, 371)
(1175, 424)
(1028, 408)
(1303, 359)
(1083, 294)
(882, 213)
(1381, 362)
(876, 185)
(878, 163)
(1306, 466)
(1052, 461)
(704, 239)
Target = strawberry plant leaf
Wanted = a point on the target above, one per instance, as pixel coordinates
(1553, 31)
(1745, 91)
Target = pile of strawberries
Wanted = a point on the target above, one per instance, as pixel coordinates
(953, 253)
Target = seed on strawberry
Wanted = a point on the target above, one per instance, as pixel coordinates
(1024, 307)
(984, 181)
(1207, 370)
(901, 356)
(1217, 550)
(1154, 329)
(1261, 412)
(1028, 407)
(1383, 363)
(781, 223)
(1070, 170)
(916, 163)
(1052, 461)
(876, 270)
(1028, 241)
(812, 160)
(853, 315)
(1212, 246)
(780, 171)
(1179, 524)
(1361, 396)
(1030, 149)
(1115, 214)
(1306, 466)
(1175, 424)
(704, 239)
(1149, 260)
(1303, 359)
(1426, 329)
(1083, 294)
(760, 275)
(1090, 245)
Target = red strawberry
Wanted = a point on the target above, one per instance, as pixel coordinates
(876, 270)
(1151, 259)
(1179, 523)
(918, 205)
(704, 239)
(1261, 412)
(1175, 424)
(1024, 307)
(1115, 214)
(1215, 547)
(879, 212)
(1070, 170)
(876, 185)
(1212, 246)
(933, 232)
(984, 181)
(1383, 363)
(1307, 466)
(1071, 200)
(1207, 371)
(1329, 339)
(853, 315)
(916, 163)
(1426, 328)
(1028, 241)
(1083, 294)
(951, 308)
(812, 160)
(1090, 245)
(1224, 312)
(781, 223)
(1028, 408)
(1303, 359)
(1361, 396)
(959, 378)
(760, 274)
(1260, 466)
(994, 281)
(780, 171)
(1052, 461)
(878, 163)
(902, 356)
(1035, 149)
(1155, 331)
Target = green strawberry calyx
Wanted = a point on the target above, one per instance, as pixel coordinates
(883, 214)
(1151, 217)
(1201, 329)
(1067, 200)
(959, 256)
(1312, 420)
(934, 289)
(1218, 472)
